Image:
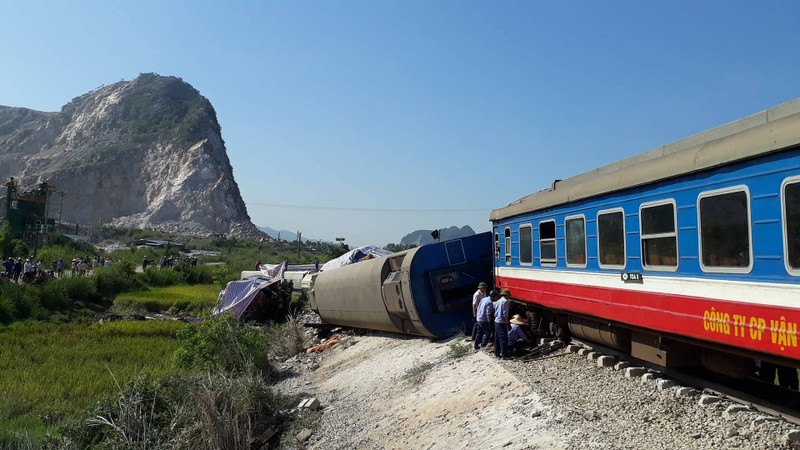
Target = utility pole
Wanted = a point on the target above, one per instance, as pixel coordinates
(61, 207)
(298, 245)
(36, 241)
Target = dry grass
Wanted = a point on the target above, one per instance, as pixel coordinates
(418, 371)
(458, 348)
(288, 338)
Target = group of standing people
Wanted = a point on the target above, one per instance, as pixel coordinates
(30, 270)
(491, 312)
(167, 261)
(82, 266)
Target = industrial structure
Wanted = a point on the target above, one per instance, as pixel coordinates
(26, 213)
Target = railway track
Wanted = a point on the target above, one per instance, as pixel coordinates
(752, 393)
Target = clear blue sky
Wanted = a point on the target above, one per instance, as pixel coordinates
(403, 115)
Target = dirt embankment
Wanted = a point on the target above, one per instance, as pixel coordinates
(370, 401)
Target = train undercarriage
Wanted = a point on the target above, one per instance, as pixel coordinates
(663, 350)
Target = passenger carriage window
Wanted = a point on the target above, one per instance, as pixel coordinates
(724, 230)
(659, 239)
(791, 223)
(576, 241)
(547, 243)
(508, 245)
(525, 244)
(611, 239)
(497, 246)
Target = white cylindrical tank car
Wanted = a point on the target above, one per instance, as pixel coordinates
(425, 291)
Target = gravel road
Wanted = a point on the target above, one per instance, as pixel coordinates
(561, 401)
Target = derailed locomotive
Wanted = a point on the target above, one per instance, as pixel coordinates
(424, 291)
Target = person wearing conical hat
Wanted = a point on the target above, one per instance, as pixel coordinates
(517, 337)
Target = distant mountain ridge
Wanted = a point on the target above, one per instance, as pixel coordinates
(285, 235)
(146, 153)
(422, 237)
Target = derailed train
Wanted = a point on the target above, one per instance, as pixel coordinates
(686, 254)
(424, 291)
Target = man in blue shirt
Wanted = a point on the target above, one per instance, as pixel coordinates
(501, 325)
(483, 314)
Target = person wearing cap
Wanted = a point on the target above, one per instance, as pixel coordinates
(479, 295)
(485, 313)
(516, 337)
(501, 325)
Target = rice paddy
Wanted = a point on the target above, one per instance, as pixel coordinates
(196, 299)
(53, 372)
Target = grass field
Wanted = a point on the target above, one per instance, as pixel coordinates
(196, 299)
(50, 373)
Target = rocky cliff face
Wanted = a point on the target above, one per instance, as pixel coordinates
(141, 153)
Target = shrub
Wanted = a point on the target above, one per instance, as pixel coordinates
(65, 251)
(222, 343)
(19, 248)
(136, 418)
(17, 302)
(222, 276)
(53, 296)
(114, 279)
(196, 274)
(202, 411)
(77, 289)
(8, 313)
(232, 410)
(162, 277)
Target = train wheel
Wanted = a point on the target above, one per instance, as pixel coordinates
(560, 329)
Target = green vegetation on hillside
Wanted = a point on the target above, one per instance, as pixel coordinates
(167, 107)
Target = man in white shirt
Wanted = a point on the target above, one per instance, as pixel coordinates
(484, 315)
(476, 298)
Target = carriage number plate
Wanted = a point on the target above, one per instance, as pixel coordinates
(632, 277)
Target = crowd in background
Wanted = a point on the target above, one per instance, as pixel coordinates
(168, 261)
(30, 270)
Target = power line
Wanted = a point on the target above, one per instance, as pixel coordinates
(387, 210)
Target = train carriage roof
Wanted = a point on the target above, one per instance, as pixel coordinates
(768, 131)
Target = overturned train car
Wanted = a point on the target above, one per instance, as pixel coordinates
(425, 291)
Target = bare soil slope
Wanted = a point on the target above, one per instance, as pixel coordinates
(469, 402)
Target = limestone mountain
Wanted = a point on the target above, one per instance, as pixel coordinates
(141, 153)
